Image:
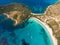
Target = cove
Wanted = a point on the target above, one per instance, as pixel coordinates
(31, 34)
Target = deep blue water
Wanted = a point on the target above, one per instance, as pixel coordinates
(36, 6)
(30, 33)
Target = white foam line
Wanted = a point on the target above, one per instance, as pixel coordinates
(54, 40)
(38, 13)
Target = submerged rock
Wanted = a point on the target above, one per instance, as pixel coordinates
(24, 42)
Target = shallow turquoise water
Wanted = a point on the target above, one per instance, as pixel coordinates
(28, 33)
(32, 33)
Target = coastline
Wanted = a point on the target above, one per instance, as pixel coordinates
(46, 9)
(39, 13)
(46, 27)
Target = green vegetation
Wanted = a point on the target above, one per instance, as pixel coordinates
(53, 22)
(58, 41)
(15, 16)
(54, 25)
(13, 7)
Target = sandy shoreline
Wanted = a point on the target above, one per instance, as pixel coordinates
(54, 40)
(38, 14)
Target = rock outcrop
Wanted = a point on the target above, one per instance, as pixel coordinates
(16, 12)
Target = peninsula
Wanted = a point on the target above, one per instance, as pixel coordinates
(16, 12)
(20, 13)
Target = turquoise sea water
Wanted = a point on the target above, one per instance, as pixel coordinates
(30, 33)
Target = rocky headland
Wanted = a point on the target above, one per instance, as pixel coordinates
(16, 12)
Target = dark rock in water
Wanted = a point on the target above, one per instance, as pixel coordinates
(3, 41)
(7, 25)
(24, 42)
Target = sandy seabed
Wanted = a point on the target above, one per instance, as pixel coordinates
(54, 40)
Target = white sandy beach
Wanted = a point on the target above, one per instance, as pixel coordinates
(54, 40)
(40, 13)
